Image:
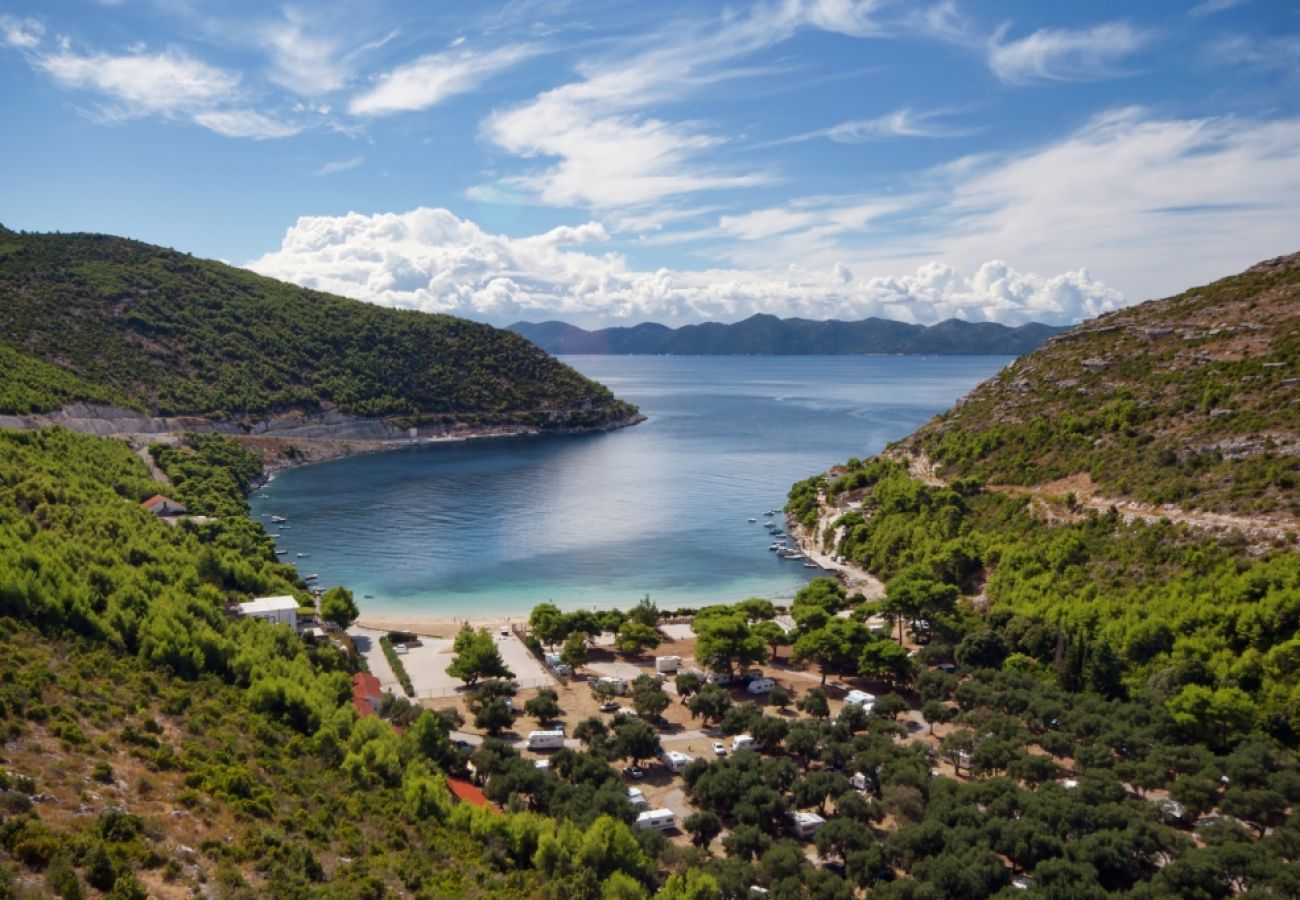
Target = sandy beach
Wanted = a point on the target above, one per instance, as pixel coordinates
(433, 626)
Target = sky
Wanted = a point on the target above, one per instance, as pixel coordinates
(613, 162)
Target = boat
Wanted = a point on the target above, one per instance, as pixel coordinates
(312, 577)
(276, 535)
(369, 596)
(281, 552)
(770, 512)
(302, 555)
(752, 520)
(277, 519)
(811, 565)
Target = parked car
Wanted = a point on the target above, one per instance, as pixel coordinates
(719, 748)
(634, 772)
(609, 706)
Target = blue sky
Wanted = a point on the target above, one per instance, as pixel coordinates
(609, 163)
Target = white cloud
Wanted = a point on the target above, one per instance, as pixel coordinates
(23, 34)
(306, 63)
(138, 83)
(1263, 54)
(431, 260)
(901, 123)
(245, 123)
(431, 79)
(609, 152)
(339, 165)
(143, 83)
(1209, 7)
(1062, 54)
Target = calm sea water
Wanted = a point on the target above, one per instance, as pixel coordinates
(494, 526)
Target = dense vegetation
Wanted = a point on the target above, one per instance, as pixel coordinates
(767, 335)
(1193, 400)
(93, 317)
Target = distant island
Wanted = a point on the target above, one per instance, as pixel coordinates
(767, 335)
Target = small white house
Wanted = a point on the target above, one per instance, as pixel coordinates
(280, 610)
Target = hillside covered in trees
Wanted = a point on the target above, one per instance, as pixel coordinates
(110, 320)
(1193, 400)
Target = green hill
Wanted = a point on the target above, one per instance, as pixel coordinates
(110, 320)
(1193, 400)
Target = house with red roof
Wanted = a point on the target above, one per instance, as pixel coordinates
(163, 506)
(465, 792)
(366, 694)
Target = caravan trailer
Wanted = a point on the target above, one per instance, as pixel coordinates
(545, 740)
(658, 819)
(804, 825)
(667, 663)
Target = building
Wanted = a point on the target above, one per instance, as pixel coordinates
(464, 792)
(367, 695)
(280, 610)
(163, 506)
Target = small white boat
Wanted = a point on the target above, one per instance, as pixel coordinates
(752, 520)
(811, 565)
(281, 552)
(302, 555)
(770, 512)
(277, 519)
(312, 577)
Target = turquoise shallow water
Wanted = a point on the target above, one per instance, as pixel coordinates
(494, 526)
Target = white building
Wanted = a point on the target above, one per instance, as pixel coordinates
(280, 610)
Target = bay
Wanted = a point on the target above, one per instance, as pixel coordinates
(494, 526)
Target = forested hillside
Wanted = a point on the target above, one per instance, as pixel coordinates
(100, 318)
(1193, 400)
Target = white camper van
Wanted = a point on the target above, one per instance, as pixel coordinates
(804, 825)
(675, 761)
(667, 663)
(659, 819)
(742, 742)
(545, 740)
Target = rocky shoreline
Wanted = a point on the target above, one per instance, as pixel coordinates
(290, 439)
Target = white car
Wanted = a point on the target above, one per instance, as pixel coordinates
(719, 748)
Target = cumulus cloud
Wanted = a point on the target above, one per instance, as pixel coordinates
(429, 259)
(431, 79)
(1063, 54)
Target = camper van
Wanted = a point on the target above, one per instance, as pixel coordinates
(675, 761)
(742, 742)
(804, 825)
(545, 740)
(760, 686)
(667, 663)
(659, 819)
(862, 699)
(636, 797)
(618, 684)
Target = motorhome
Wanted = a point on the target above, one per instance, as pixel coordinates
(667, 663)
(675, 761)
(760, 686)
(862, 699)
(658, 819)
(804, 825)
(719, 678)
(545, 740)
(742, 742)
(618, 684)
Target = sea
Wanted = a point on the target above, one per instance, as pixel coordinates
(493, 526)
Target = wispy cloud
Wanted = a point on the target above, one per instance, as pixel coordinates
(610, 151)
(902, 123)
(1062, 54)
(431, 79)
(1281, 53)
(339, 165)
(22, 34)
(1210, 7)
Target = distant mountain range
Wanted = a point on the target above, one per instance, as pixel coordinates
(766, 335)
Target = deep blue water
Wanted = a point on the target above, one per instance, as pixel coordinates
(494, 526)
